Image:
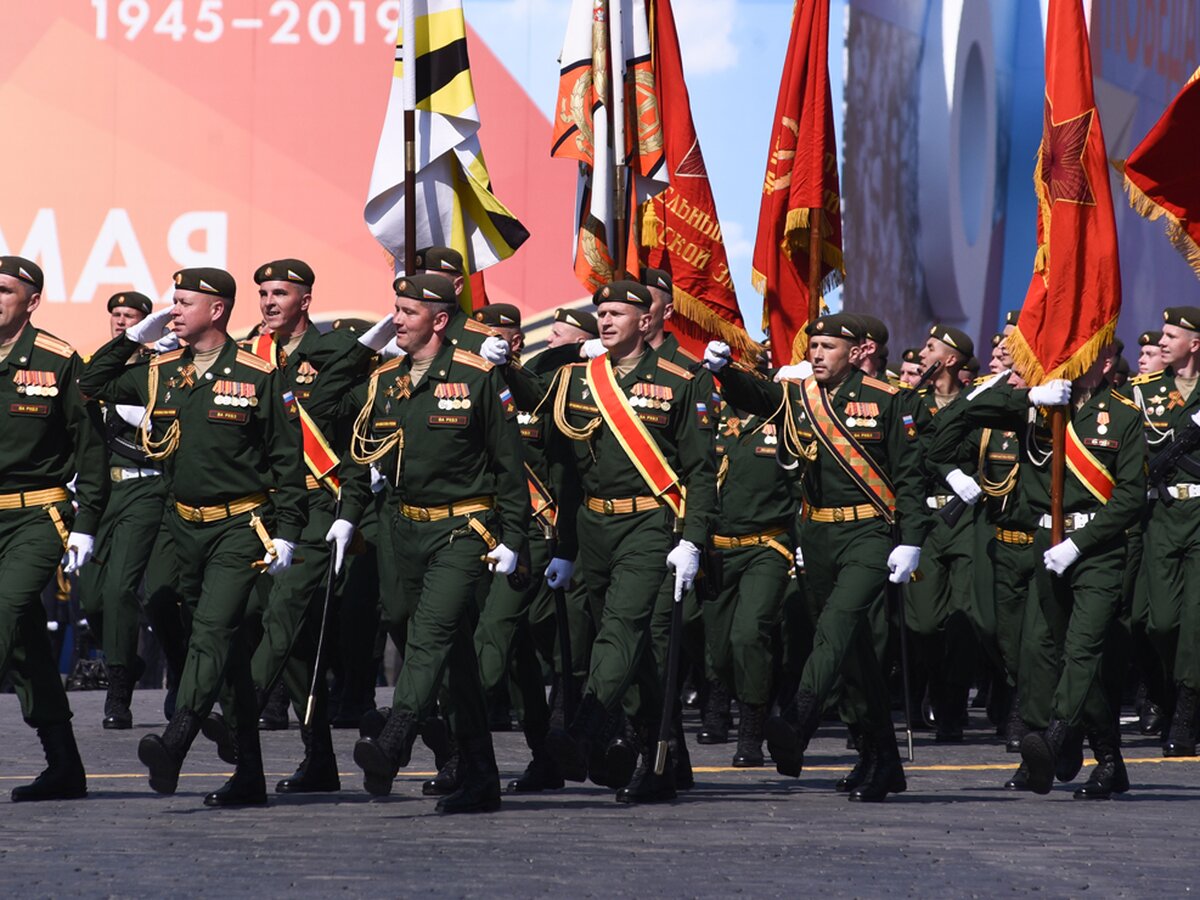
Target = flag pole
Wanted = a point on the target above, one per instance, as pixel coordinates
(616, 84)
(410, 138)
(814, 263)
(1058, 465)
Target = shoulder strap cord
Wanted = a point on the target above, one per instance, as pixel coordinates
(153, 449)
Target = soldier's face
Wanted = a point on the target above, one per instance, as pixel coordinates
(939, 351)
(283, 305)
(661, 309)
(910, 373)
(416, 323)
(18, 300)
(121, 318)
(1150, 359)
(194, 314)
(562, 334)
(996, 363)
(1177, 344)
(832, 358)
(621, 325)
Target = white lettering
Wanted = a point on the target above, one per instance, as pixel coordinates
(42, 246)
(115, 234)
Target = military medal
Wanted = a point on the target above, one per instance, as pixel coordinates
(1102, 419)
(305, 373)
(770, 434)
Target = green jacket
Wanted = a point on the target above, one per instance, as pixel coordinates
(1166, 413)
(754, 490)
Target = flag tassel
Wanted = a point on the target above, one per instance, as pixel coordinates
(1026, 361)
(1177, 233)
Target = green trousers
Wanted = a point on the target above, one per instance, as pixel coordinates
(108, 586)
(359, 648)
(30, 551)
(1013, 589)
(166, 610)
(1173, 573)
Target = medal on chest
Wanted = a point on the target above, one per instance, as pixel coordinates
(32, 383)
(234, 393)
(305, 373)
(401, 389)
(1102, 420)
(861, 413)
(651, 396)
(453, 395)
(770, 434)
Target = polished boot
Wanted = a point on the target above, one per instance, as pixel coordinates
(1019, 780)
(646, 786)
(749, 753)
(570, 747)
(951, 714)
(714, 726)
(63, 777)
(382, 757)
(1109, 775)
(480, 787)
(274, 713)
(372, 722)
(789, 733)
(248, 786)
(117, 715)
(614, 752)
(317, 772)
(435, 735)
(1040, 750)
(1070, 756)
(449, 777)
(1151, 719)
(1181, 738)
(885, 773)
(216, 729)
(866, 756)
(1016, 729)
(163, 756)
(540, 775)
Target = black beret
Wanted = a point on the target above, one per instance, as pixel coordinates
(954, 338)
(578, 318)
(996, 339)
(1012, 316)
(1147, 338)
(1182, 317)
(502, 314)
(355, 326)
(22, 268)
(623, 292)
(657, 278)
(430, 288)
(131, 300)
(971, 365)
(294, 270)
(911, 355)
(840, 325)
(873, 328)
(206, 280)
(1118, 346)
(440, 259)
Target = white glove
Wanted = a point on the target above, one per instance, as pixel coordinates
(1052, 393)
(339, 534)
(378, 480)
(375, 337)
(717, 356)
(79, 551)
(797, 372)
(964, 485)
(502, 561)
(495, 350)
(391, 350)
(282, 557)
(799, 559)
(558, 573)
(1060, 557)
(167, 343)
(131, 415)
(150, 328)
(684, 561)
(1196, 418)
(592, 348)
(902, 562)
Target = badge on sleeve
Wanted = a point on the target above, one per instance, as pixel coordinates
(910, 428)
(507, 403)
(702, 417)
(290, 406)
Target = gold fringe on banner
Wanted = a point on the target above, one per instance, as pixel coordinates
(1025, 361)
(696, 312)
(1177, 234)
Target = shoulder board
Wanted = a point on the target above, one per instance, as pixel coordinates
(688, 355)
(248, 359)
(164, 358)
(879, 385)
(467, 358)
(1148, 377)
(980, 380)
(679, 371)
(388, 366)
(477, 327)
(53, 345)
(1117, 395)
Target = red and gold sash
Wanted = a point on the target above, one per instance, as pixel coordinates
(632, 435)
(847, 451)
(1089, 470)
(318, 455)
(540, 500)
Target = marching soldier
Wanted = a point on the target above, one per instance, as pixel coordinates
(49, 440)
(463, 332)
(222, 421)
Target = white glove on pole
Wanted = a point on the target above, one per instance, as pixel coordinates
(502, 561)
(1060, 557)
(964, 485)
(559, 572)
(496, 350)
(684, 561)
(717, 356)
(339, 534)
(150, 328)
(592, 348)
(375, 337)
(79, 551)
(796, 372)
(282, 557)
(167, 343)
(902, 562)
(1052, 393)
(130, 415)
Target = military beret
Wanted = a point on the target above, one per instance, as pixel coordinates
(131, 300)
(206, 280)
(623, 292)
(873, 328)
(840, 325)
(1146, 338)
(1118, 346)
(355, 326)
(996, 339)
(22, 268)
(579, 319)
(294, 270)
(971, 365)
(429, 288)
(657, 278)
(503, 314)
(1182, 317)
(1012, 316)
(440, 259)
(954, 338)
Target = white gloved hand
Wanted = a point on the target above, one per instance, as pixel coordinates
(902, 562)
(130, 415)
(684, 561)
(502, 561)
(378, 480)
(150, 328)
(375, 337)
(1196, 418)
(1060, 557)
(799, 559)
(167, 343)
(496, 350)
(281, 558)
(1052, 393)
(717, 356)
(796, 372)
(591, 348)
(964, 485)
(339, 534)
(391, 349)
(79, 551)
(558, 573)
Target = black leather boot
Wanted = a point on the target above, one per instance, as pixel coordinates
(372, 722)
(1109, 775)
(1181, 738)
(1019, 780)
(789, 733)
(749, 754)
(1016, 729)
(382, 757)
(614, 752)
(866, 756)
(1152, 718)
(163, 756)
(248, 786)
(117, 716)
(317, 772)
(540, 775)
(951, 714)
(715, 724)
(480, 788)
(569, 747)
(449, 777)
(645, 786)
(274, 714)
(435, 734)
(885, 773)
(1040, 750)
(1070, 756)
(63, 777)
(216, 729)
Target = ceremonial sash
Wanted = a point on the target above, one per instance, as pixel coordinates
(632, 435)
(849, 453)
(318, 455)
(1089, 470)
(539, 498)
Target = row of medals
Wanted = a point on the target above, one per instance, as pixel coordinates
(650, 403)
(852, 422)
(456, 403)
(227, 400)
(37, 390)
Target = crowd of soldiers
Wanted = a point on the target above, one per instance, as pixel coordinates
(607, 518)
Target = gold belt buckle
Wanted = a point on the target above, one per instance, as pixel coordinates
(609, 508)
(839, 515)
(421, 514)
